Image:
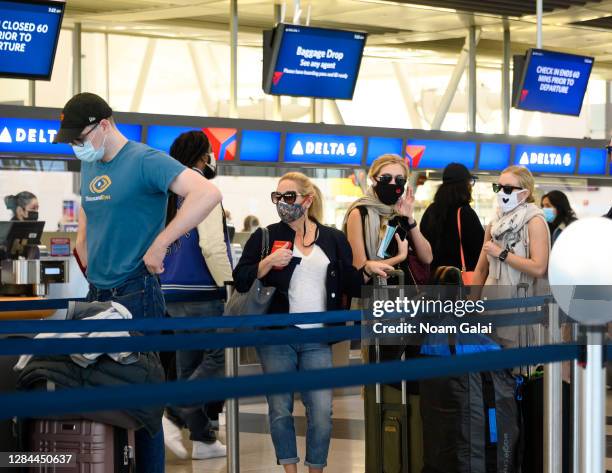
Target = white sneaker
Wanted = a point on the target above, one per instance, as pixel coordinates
(203, 451)
(173, 439)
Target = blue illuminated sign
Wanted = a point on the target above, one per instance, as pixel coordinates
(554, 82)
(28, 38)
(23, 135)
(546, 159)
(494, 156)
(315, 62)
(436, 154)
(592, 161)
(260, 146)
(162, 137)
(378, 146)
(323, 149)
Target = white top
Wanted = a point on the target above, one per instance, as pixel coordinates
(307, 289)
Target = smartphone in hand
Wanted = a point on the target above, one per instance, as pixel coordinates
(277, 245)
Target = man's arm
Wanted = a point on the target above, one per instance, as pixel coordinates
(81, 240)
(201, 196)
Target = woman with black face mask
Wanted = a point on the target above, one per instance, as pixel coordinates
(23, 205)
(311, 267)
(199, 261)
(387, 203)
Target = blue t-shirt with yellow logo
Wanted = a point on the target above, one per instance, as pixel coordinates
(125, 203)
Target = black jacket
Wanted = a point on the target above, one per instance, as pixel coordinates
(443, 235)
(342, 277)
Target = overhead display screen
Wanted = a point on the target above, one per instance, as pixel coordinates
(436, 154)
(222, 140)
(553, 82)
(494, 156)
(324, 149)
(312, 62)
(592, 161)
(546, 159)
(25, 135)
(260, 146)
(29, 31)
(377, 146)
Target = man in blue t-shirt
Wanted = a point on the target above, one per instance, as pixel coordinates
(122, 240)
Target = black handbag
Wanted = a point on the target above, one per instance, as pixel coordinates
(257, 299)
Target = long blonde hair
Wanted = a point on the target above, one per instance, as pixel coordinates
(525, 179)
(307, 188)
(385, 159)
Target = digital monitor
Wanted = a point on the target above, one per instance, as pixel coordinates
(494, 156)
(34, 136)
(437, 154)
(29, 31)
(592, 161)
(377, 146)
(222, 140)
(553, 82)
(545, 158)
(324, 149)
(15, 236)
(305, 61)
(260, 146)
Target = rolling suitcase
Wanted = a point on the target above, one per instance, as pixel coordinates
(392, 420)
(97, 447)
(532, 409)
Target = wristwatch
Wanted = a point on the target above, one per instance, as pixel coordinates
(411, 225)
(503, 255)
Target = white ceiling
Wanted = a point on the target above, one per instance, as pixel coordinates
(395, 29)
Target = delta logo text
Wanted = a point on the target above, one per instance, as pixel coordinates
(550, 159)
(324, 148)
(27, 135)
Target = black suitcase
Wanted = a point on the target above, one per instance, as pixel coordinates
(392, 419)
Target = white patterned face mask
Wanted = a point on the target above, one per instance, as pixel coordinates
(508, 202)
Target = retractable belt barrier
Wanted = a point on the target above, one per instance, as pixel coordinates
(185, 392)
(37, 404)
(239, 322)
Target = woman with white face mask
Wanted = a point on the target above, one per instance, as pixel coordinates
(517, 241)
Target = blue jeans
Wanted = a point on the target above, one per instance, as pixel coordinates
(300, 357)
(198, 364)
(143, 297)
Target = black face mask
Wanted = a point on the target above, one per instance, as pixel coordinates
(388, 194)
(32, 216)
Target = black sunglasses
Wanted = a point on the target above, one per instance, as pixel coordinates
(507, 189)
(80, 141)
(288, 197)
(387, 178)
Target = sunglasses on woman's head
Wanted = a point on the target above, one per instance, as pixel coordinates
(288, 197)
(507, 189)
(387, 178)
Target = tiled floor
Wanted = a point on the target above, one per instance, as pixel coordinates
(346, 452)
(257, 453)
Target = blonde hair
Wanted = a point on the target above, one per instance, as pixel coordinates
(385, 159)
(525, 179)
(307, 188)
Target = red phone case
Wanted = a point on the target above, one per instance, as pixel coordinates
(277, 245)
